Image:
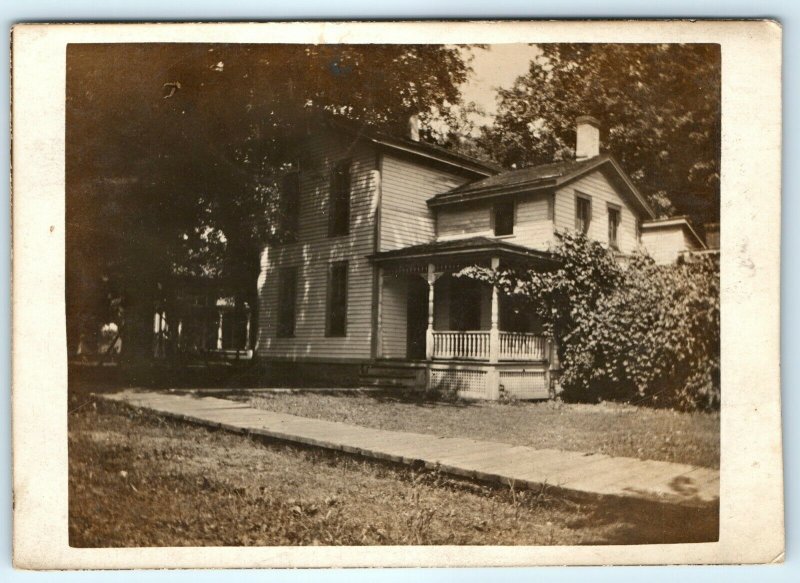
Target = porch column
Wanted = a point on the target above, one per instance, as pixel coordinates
(494, 332)
(429, 331)
(219, 332)
(379, 316)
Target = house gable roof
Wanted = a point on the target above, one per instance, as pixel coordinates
(418, 149)
(545, 176)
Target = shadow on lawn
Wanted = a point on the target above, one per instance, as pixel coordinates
(640, 522)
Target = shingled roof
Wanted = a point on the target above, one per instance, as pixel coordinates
(535, 178)
(419, 148)
(468, 247)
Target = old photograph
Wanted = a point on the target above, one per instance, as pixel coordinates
(465, 294)
(402, 295)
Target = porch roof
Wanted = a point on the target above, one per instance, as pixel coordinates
(473, 248)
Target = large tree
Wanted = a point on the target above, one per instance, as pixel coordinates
(659, 105)
(174, 154)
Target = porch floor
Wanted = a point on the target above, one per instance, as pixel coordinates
(573, 473)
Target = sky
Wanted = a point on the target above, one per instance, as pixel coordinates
(493, 67)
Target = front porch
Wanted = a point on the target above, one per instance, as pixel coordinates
(472, 339)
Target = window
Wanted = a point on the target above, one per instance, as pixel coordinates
(504, 218)
(287, 301)
(290, 205)
(337, 299)
(613, 226)
(583, 213)
(340, 200)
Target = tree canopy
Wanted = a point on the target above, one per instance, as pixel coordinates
(174, 152)
(659, 106)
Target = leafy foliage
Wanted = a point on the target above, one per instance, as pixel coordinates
(658, 104)
(635, 331)
(175, 153)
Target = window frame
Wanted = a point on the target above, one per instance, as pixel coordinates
(614, 209)
(583, 198)
(336, 197)
(282, 330)
(505, 203)
(330, 330)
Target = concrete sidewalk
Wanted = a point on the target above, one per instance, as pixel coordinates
(593, 475)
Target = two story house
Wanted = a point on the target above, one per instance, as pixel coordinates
(364, 294)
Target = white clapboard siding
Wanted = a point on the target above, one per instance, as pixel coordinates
(315, 251)
(393, 315)
(532, 224)
(665, 243)
(467, 220)
(596, 186)
(406, 186)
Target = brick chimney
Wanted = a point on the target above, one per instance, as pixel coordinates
(413, 127)
(587, 144)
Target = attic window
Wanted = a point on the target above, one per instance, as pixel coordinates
(613, 226)
(583, 213)
(504, 218)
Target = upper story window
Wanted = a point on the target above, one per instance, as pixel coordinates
(340, 200)
(290, 205)
(287, 301)
(504, 218)
(583, 213)
(336, 322)
(614, 215)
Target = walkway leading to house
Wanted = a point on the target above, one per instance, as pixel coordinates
(574, 473)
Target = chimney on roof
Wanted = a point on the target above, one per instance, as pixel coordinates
(587, 144)
(413, 127)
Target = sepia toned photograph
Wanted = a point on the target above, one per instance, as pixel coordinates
(393, 294)
(385, 294)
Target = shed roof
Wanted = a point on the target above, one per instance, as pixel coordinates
(467, 248)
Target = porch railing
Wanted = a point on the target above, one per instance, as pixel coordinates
(466, 345)
(521, 346)
(475, 345)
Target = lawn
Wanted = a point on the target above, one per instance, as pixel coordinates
(608, 428)
(138, 480)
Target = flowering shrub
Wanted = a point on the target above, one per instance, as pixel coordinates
(636, 331)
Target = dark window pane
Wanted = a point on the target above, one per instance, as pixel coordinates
(337, 299)
(583, 213)
(504, 218)
(287, 301)
(340, 200)
(613, 226)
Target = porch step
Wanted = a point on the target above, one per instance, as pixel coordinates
(393, 376)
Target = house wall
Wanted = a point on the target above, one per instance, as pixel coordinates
(393, 315)
(315, 251)
(664, 244)
(405, 218)
(596, 186)
(532, 224)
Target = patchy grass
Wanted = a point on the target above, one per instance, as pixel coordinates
(138, 480)
(609, 428)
